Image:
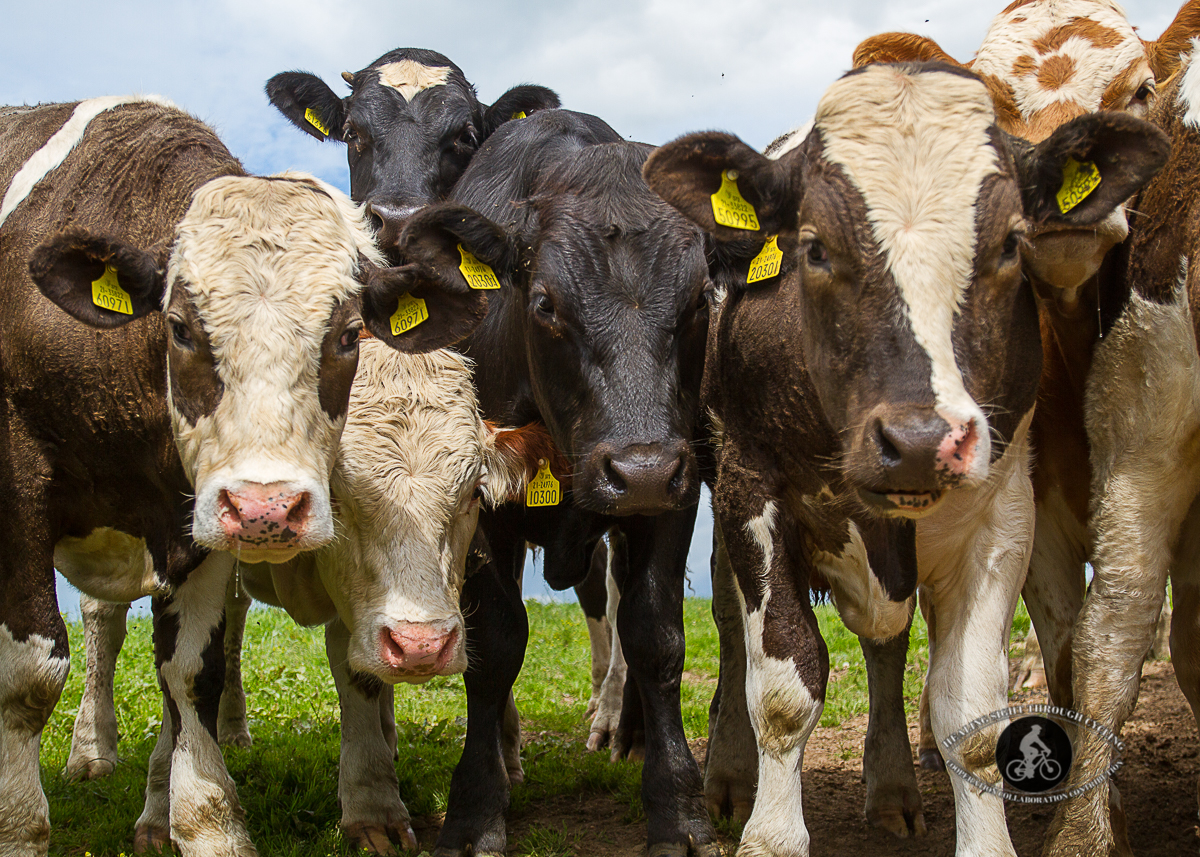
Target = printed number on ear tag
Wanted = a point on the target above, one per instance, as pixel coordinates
(108, 294)
(766, 264)
(520, 114)
(543, 489)
(409, 313)
(476, 273)
(1080, 178)
(730, 207)
(315, 121)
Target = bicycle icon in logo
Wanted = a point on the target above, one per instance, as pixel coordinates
(1037, 762)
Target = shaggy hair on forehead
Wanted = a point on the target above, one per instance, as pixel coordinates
(607, 180)
(413, 435)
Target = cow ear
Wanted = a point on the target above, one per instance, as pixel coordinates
(308, 103)
(99, 281)
(1175, 42)
(900, 47)
(1088, 167)
(517, 102)
(512, 458)
(414, 313)
(690, 171)
(432, 239)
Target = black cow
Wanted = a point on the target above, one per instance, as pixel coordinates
(601, 337)
(411, 123)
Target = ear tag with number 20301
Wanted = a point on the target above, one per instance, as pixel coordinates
(730, 207)
(477, 274)
(1080, 178)
(108, 294)
(409, 313)
(543, 489)
(766, 264)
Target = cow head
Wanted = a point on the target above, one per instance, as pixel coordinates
(410, 123)
(1046, 62)
(902, 218)
(610, 311)
(263, 300)
(416, 461)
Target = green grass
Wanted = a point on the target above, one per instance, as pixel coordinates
(288, 780)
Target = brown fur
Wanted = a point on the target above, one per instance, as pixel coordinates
(532, 444)
(1056, 72)
(1175, 40)
(899, 47)
(1096, 33)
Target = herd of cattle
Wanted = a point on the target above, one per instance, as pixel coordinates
(845, 337)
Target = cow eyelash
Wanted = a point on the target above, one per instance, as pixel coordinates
(349, 338)
(180, 333)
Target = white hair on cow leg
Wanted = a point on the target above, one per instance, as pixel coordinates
(1189, 87)
(56, 149)
(917, 146)
(408, 77)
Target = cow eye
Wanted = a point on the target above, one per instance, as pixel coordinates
(1012, 244)
(349, 339)
(544, 305)
(180, 333)
(817, 255)
(704, 300)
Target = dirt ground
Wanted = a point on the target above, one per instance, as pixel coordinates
(1158, 785)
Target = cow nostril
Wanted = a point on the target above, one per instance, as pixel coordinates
(300, 509)
(614, 476)
(888, 452)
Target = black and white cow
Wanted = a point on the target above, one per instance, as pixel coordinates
(600, 336)
(875, 394)
(206, 423)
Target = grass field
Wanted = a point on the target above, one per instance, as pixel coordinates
(288, 780)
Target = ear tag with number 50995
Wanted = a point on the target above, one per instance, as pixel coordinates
(730, 207)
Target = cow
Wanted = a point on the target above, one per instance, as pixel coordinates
(600, 336)
(411, 124)
(873, 388)
(414, 463)
(177, 348)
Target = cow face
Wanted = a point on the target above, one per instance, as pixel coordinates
(261, 299)
(411, 123)
(1045, 63)
(611, 313)
(902, 218)
(416, 460)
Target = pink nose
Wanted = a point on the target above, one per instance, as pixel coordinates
(264, 515)
(956, 452)
(417, 649)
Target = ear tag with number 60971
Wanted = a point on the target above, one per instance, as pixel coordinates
(543, 489)
(477, 274)
(108, 294)
(730, 207)
(766, 264)
(409, 313)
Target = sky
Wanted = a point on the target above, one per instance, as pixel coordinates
(653, 70)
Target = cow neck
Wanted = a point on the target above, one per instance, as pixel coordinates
(497, 348)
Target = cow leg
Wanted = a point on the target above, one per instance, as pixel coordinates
(731, 762)
(593, 598)
(607, 722)
(1185, 617)
(387, 720)
(373, 815)
(497, 631)
(34, 664)
(1054, 589)
(1144, 481)
(650, 623)
(510, 742)
(153, 828)
(231, 719)
(189, 646)
(94, 738)
(893, 799)
(928, 752)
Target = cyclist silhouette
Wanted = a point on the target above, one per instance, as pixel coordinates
(1036, 758)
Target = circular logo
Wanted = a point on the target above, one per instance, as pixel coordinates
(1033, 754)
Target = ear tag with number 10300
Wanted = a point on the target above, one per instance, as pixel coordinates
(477, 274)
(730, 207)
(108, 294)
(766, 264)
(543, 489)
(409, 313)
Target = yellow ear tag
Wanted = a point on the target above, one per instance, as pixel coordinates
(476, 273)
(1080, 178)
(520, 114)
(543, 489)
(315, 120)
(108, 294)
(766, 264)
(730, 207)
(409, 313)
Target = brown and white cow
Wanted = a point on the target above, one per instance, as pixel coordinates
(207, 421)
(876, 394)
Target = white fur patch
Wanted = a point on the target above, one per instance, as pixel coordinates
(762, 530)
(408, 77)
(108, 564)
(1189, 87)
(783, 144)
(917, 147)
(56, 149)
(860, 598)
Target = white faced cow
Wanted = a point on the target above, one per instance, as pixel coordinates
(885, 375)
(208, 421)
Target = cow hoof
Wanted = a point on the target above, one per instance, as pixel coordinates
(603, 731)
(516, 772)
(630, 746)
(898, 822)
(235, 738)
(667, 849)
(379, 839)
(728, 797)
(465, 852)
(89, 769)
(151, 838)
(931, 760)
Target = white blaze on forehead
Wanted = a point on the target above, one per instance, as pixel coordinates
(56, 149)
(917, 147)
(409, 77)
(1189, 87)
(1102, 47)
